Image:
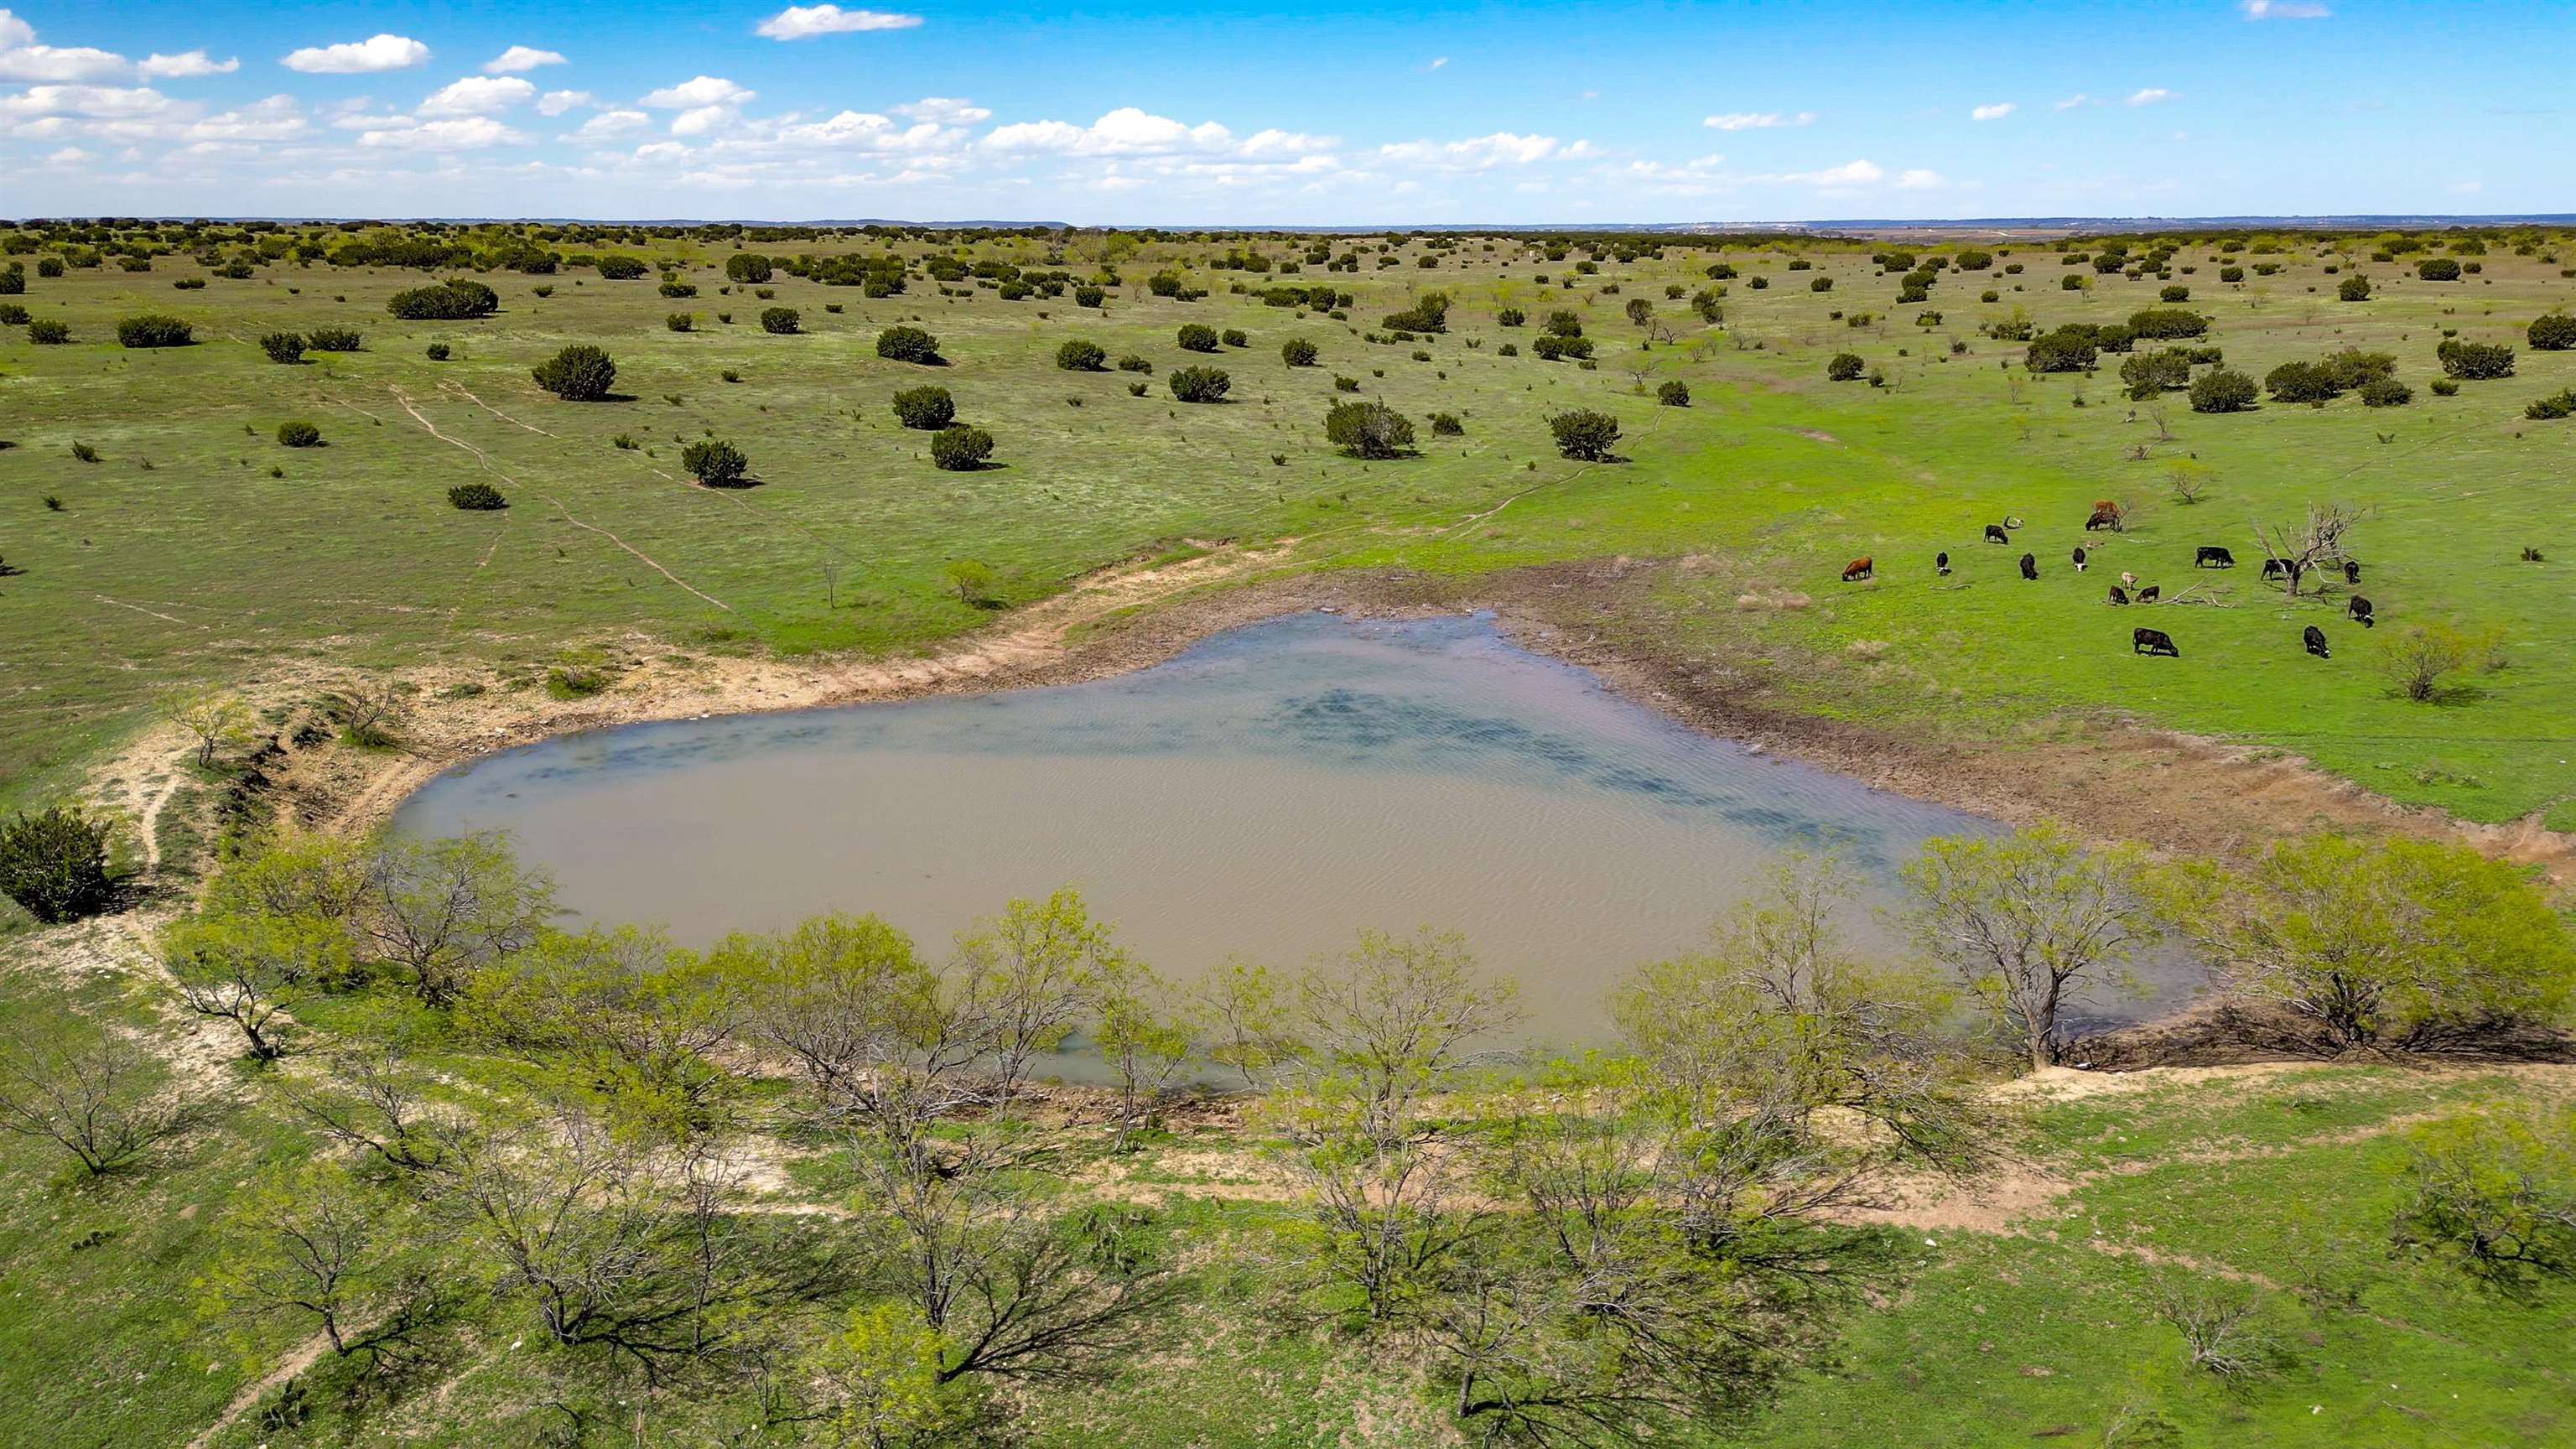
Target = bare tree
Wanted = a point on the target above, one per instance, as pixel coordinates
(440, 909)
(371, 1098)
(2219, 1323)
(314, 1243)
(2301, 548)
(86, 1090)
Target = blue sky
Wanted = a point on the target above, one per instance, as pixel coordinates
(1118, 111)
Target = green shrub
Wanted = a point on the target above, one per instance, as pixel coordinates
(1090, 297)
(782, 321)
(12, 315)
(1844, 367)
(908, 344)
(2067, 349)
(298, 434)
(2475, 361)
(1196, 337)
(2299, 382)
(1298, 352)
(153, 329)
(961, 449)
(476, 497)
(1080, 356)
(332, 339)
(1200, 384)
(1550, 347)
(2354, 288)
(747, 267)
(621, 268)
(1368, 430)
(455, 301)
(2223, 391)
(578, 373)
(681, 321)
(2555, 332)
(1673, 394)
(715, 463)
(926, 408)
(1446, 425)
(675, 290)
(2438, 269)
(2444, 387)
(1584, 434)
(1236, 337)
(54, 864)
(2557, 405)
(1429, 313)
(283, 347)
(2165, 323)
(1133, 363)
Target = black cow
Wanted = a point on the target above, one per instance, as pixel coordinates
(2358, 608)
(2079, 560)
(1941, 563)
(2276, 568)
(2315, 639)
(2351, 571)
(2119, 595)
(2148, 594)
(1995, 534)
(2211, 556)
(2152, 642)
(2030, 566)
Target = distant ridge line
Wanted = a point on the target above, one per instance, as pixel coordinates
(2328, 222)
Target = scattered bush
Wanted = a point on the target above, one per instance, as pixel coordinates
(154, 330)
(782, 321)
(747, 267)
(1081, 356)
(908, 344)
(1090, 297)
(1845, 367)
(1429, 313)
(1200, 384)
(1584, 434)
(2064, 350)
(452, 301)
(1298, 352)
(298, 434)
(2555, 332)
(961, 449)
(621, 268)
(926, 408)
(1446, 425)
(675, 290)
(2386, 392)
(476, 497)
(1368, 430)
(2438, 269)
(1196, 337)
(715, 463)
(680, 321)
(1237, 337)
(283, 347)
(332, 339)
(2223, 391)
(2557, 405)
(578, 373)
(1133, 363)
(54, 864)
(2166, 323)
(1674, 394)
(2475, 361)
(440, 352)
(2173, 294)
(2354, 288)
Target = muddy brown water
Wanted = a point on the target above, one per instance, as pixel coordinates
(1267, 792)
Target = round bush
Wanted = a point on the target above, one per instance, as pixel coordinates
(781, 321)
(55, 864)
(454, 301)
(1584, 434)
(1195, 337)
(961, 449)
(715, 462)
(1446, 425)
(680, 321)
(1368, 430)
(1844, 367)
(747, 267)
(926, 408)
(1090, 297)
(908, 344)
(298, 434)
(578, 373)
(2386, 392)
(2353, 289)
(1081, 356)
(2553, 333)
(1298, 352)
(332, 339)
(1201, 384)
(477, 497)
(621, 268)
(50, 331)
(283, 347)
(154, 330)
(2223, 391)
(1675, 394)
(440, 352)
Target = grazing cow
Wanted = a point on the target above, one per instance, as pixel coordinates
(2012, 520)
(2211, 556)
(1858, 568)
(1941, 563)
(2030, 566)
(2351, 571)
(2152, 642)
(2079, 560)
(2276, 568)
(2119, 595)
(2315, 639)
(2358, 609)
(2105, 515)
(2129, 579)
(2148, 594)
(1995, 534)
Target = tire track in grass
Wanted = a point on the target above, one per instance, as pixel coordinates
(497, 471)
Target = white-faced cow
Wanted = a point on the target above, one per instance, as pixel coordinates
(1941, 563)
(2315, 639)
(2079, 560)
(2119, 595)
(2357, 609)
(1995, 534)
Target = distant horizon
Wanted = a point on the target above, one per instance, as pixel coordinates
(1340, 115)
(2324, 221)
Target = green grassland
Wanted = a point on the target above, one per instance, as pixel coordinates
(196, 548)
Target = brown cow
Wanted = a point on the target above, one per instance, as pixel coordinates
(2147, 595)
(1858, 568)
(2119, 595)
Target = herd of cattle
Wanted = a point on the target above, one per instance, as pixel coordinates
(2146, 641)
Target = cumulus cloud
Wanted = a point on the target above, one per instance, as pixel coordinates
(1995, 112)
(1476, 153)
(1917, 179)
(705, 90)
(1835, 178)
(555, 103)
(944, 111)
(1759, 120)
(1124, 131)
(358, 57)
(277, 118)
(2149, 96)
(611, 123)
(106, 103)
(520, 58)
(22, 59)
(804, 22)
(470, 133)
(703, 120)
(2071, 102)
(185, 65)
(2284, 10)
(478, 96)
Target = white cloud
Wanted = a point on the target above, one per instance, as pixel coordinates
(477, 96)
(68, 156)
(1477, 153)
(467, 134)
(804, 22)
(277, 118)
(611, 123)
(14, 32)
(945, 111)
(2071, 102)
(103, 103)
(185, 65)
(705, 90)
(701, 120)
(2467, 188)
(1995, 112)
(1437, 61)
(1124, 131)
(521, 57)
(2148, 97)
(1832, 178)
(1918, 179)
(358, 57)
(23, 60)
(1759, 120)
(1276, 142)
(555, 103)
(2284, 10)
(867, 131)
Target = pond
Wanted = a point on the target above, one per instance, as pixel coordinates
(1266, 792)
